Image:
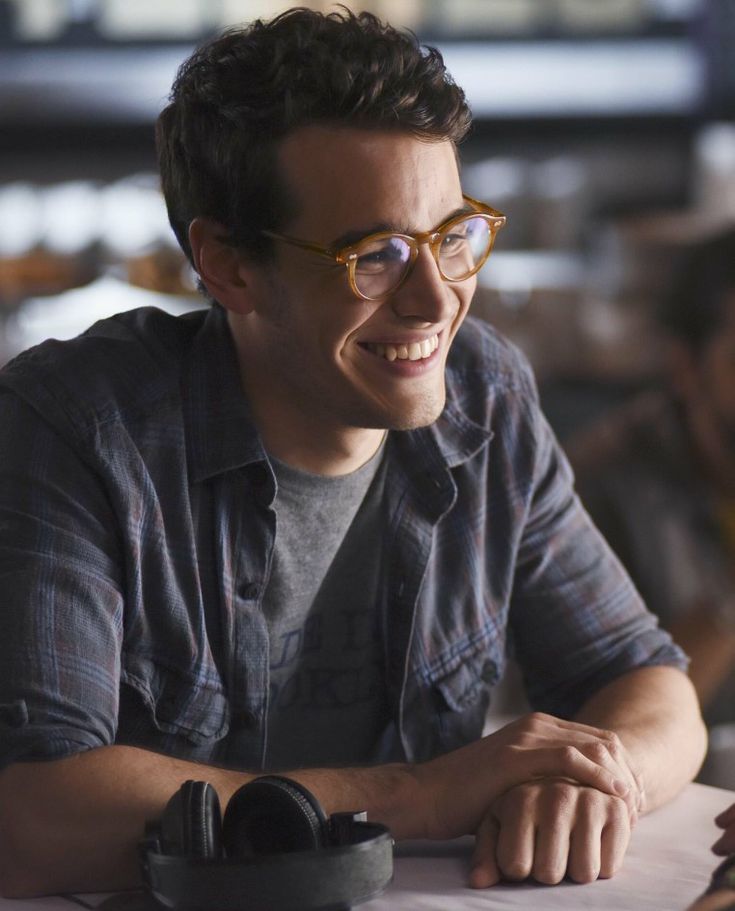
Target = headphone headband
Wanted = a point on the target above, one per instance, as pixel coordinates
(355, 865)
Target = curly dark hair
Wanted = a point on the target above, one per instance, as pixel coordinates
(243, 92)
(695, 305)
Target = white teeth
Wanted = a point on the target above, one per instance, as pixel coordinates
(415, 351)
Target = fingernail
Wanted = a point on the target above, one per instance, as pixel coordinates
(480, 878)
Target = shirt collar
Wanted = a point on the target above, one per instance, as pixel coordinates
(222, 436)
(457, 438)
(220, 433)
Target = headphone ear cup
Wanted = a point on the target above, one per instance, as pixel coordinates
(191, 824)
(273, 815)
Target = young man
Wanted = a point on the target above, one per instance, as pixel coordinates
(299, 532)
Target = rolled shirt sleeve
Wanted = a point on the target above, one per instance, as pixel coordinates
(61, 602)
(578, 621)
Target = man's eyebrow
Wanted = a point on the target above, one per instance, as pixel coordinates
(358, 234)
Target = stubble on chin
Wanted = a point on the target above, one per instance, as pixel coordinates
(422, 412)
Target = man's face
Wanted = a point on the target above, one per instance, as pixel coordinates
(320, 350)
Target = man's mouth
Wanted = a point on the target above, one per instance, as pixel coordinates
(414, 351)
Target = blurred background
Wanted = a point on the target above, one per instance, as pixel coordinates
(603, 129)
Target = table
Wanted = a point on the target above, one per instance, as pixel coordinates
(668, 864)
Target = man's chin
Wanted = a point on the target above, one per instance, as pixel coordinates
(406, 410)
(420, 414)
(415, 423)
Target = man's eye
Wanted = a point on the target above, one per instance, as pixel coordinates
(453, 242)
(380, 257)
(375, 258)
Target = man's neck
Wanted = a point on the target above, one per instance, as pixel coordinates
(337, 455)
(310, 439)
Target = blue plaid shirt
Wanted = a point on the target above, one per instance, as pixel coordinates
(137, 527)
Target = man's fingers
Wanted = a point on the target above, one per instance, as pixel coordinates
(484, 870)
(530, 749)
(603, 748)
(552, 850)
(570, 762)
(585, 849)
(517, 838)
(725, 844)
(614, 841)
(551, 829)
(726, 818)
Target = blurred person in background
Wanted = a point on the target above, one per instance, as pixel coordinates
(294, 532)
(720, 893)
(658, 477)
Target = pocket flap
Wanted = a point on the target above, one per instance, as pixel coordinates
(180, 705)
(463, 685)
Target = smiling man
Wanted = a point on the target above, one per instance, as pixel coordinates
(301, 532)
(329, 370)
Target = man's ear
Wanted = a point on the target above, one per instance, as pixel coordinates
(220, 266)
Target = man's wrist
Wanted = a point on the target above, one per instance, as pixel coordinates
(390, 794)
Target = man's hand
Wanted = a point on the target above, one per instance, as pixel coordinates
(548, 830)
(83, 815)
(460, 787)
(725, 844)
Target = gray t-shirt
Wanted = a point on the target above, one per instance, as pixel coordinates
(327, 701)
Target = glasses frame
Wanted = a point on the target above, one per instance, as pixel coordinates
(347, 256)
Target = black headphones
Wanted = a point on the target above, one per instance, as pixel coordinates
(275, 850)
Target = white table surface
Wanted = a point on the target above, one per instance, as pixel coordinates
(667, 865)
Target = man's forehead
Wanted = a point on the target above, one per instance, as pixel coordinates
(369, 179)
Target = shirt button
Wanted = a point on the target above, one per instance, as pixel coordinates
(489, 671)
(249, 591)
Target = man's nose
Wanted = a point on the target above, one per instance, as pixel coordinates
(424, 295)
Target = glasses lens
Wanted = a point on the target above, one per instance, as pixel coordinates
(464, 246)
(380, 265)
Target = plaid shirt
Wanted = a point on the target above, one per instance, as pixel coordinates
(137, 527)
(639, 477)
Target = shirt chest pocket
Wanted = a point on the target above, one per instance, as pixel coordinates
(459, 695)
(165, 709)
(465, 685)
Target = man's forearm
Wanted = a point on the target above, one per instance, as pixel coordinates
(655, 713)
(73, 824)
